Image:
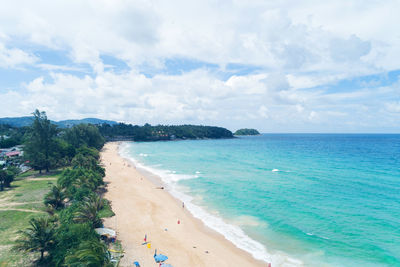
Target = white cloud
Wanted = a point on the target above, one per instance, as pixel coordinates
(393, 107)
(14, 57)
(278, 35)
(295, 45)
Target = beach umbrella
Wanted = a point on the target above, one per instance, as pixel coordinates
(159, 257)
(106, 231)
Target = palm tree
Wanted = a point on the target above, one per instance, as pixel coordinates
(89, 209)
(39, 236)
(95, 201)
(55, 197)
(89, 253)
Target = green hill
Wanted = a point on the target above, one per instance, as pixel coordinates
(246, 131)
(26, 121)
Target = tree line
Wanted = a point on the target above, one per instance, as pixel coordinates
(66, 235)
(148, 132)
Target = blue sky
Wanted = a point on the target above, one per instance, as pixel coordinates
(275, 66)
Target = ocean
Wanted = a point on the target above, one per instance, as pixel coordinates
(289, 199)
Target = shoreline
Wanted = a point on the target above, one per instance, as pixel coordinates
(142, 209)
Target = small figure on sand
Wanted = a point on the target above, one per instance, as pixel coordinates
(145, 238)
(183, 205)
(160, 187)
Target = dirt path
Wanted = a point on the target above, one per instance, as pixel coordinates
(40, 179)
(25, 210)
(9, 204)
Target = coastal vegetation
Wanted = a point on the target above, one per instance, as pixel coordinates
(64, 207)
(246, 131)
(162, 132)
(16, 131)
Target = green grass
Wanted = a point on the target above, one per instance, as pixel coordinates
(30, 190)
(106, 211)
(26, 174)
(30, 193)
(36, 174)
(10, 223)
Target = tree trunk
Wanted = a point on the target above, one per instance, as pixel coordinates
(40, 171)
(41, 255)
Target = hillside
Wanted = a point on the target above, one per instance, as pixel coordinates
(147, 132)
(26, 121)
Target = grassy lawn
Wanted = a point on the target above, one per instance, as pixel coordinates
(26, 194)
(106, 211)
(30, 190)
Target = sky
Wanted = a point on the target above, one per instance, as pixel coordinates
(277, 66)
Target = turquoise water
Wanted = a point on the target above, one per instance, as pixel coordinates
(300, 199)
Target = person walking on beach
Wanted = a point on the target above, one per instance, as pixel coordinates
(183, 205)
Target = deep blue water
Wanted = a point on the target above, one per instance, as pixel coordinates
(319, 199)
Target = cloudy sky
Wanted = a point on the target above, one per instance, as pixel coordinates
(278, 66)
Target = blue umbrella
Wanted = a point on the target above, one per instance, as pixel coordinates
(159, 257)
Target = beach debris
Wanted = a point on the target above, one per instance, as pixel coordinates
(148, 245)
(165, 265)
(206, 251)
(136, 264)
(116, 251)
(165, 229)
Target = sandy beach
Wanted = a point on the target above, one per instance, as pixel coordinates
(142, 209)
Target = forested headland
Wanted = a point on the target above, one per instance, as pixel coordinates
(148, 132)
(14, 135)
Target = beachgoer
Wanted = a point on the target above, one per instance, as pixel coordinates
(183, 205)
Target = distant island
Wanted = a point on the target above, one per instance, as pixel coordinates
(246, 131)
